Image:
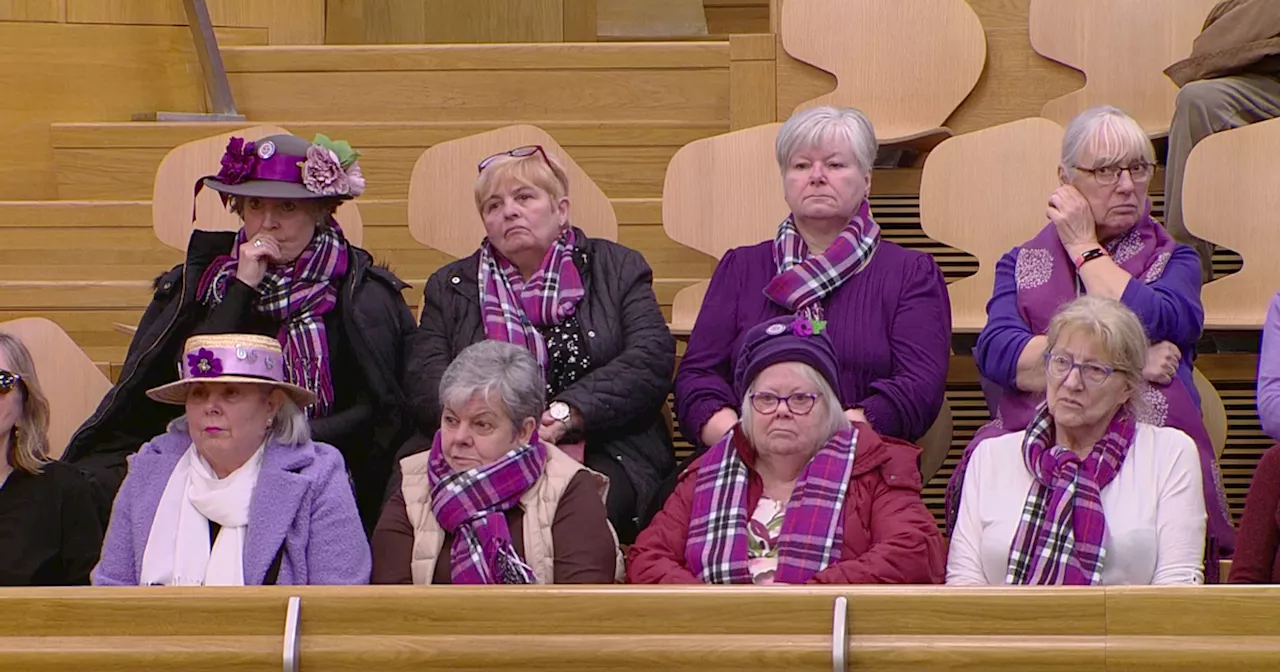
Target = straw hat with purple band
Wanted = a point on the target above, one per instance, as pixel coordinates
(786, 339)
(230, 358)
(286, 166)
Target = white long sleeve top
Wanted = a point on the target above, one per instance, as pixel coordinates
(1154, 508)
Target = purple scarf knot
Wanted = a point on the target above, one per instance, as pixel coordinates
(802, 281)
(514, 308)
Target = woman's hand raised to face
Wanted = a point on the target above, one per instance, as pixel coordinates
(1071, 216)
(255, 254)
(1162, 363)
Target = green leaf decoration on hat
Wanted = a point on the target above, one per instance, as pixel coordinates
(819, 326)
(345, 153)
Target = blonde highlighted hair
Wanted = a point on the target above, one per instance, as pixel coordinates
(548, 175)
(29, 439)
(1109, 323)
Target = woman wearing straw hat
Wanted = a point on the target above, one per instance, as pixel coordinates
(289, 274)
(235, 492)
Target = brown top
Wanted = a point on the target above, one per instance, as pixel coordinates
(584, 546)
(1238, 36)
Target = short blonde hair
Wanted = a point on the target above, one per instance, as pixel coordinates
(817, 126)
(1111, 325)
(30, 451)
(548, 175)
(1114, 137)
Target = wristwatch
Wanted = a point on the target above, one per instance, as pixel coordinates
(560, 411)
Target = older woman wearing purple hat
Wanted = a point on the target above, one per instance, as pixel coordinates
(795, 492)
(289, 274)
(235, 492)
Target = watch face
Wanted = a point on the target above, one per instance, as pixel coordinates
(560, 410)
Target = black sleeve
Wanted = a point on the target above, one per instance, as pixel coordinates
(429, 355)
(81, 529)
(230, 316)
(342, 425)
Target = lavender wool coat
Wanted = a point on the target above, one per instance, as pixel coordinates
(303, 500)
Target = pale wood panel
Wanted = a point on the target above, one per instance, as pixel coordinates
(580, 20)
(31, 10)
(984, 193)
(74, 214)
(442, 208)
(651, 19)
(1213, 412)
(172, 197)
(753, 85)
(101, 72)
(720, 193)
(1237, 213)
(736, 16)
(685, 94)
(287, 21)
(1099, 37)
(70, 381)
(906, 85)
(445, 21)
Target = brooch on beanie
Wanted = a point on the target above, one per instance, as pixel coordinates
(804, 327)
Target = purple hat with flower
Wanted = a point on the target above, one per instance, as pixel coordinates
(786, 339)
(286, 166)
(230, 358)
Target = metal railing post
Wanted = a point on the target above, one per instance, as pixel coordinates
(222, 104)
(840, 635)
(293, 635)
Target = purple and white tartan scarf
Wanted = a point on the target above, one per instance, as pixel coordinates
(470, 505)
(297, 295)
(1059, 538)
(802, 280)
(513, 309)
(812, 525)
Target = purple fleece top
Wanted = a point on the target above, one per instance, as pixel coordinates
(303, 500)
(890, 324)
(1169, 309)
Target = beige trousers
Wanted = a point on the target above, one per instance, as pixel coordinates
(1204, 107)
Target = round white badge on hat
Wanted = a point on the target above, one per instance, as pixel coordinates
(775, 329)
(266, 150)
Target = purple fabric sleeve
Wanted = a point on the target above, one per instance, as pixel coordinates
(1269, 372)
(907, 402)
(1006, 333)
(1170, 307)
(703, 379)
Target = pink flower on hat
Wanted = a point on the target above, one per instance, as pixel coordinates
(355, 178)
(204, 364)
(322, 173)
(237, 161)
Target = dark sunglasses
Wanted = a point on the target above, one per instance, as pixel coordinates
(8, 381)
(518, 152)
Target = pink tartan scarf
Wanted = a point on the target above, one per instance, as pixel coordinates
(1060, 535)
(513, 309)
(812, 526)
(470, 505)
(298, 296)
(802, 280)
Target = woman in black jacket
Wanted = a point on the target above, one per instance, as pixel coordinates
(288, 273)
(584, 307)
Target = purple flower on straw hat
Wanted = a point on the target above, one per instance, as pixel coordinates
(204, 364)
(322, 173)
(238, 161)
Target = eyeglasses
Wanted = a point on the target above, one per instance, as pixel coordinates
(767, 402)
(8, 381)
(518, 152)
(1109, 175)
(1060, 366)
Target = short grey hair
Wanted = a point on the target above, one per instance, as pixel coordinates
(816, 126)
(290, 427)
(497, 369)
(1114, 136)
(826, 396)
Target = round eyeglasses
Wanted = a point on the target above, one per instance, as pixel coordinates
(1059, 367)
(800, 403)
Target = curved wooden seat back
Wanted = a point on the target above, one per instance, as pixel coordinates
(719, 193)
(907, 64)
(935, 445)
(442, 205)
(1123, 48)
(1229, 198)
(70, 380)
(172, 197)
(1213, 412)
(984, 193)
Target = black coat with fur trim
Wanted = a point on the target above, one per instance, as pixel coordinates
(366, 335)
